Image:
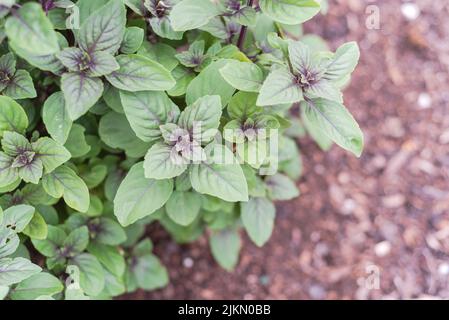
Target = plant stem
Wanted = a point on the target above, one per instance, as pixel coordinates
(243, 30)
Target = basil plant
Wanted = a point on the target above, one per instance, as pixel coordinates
(117, 114)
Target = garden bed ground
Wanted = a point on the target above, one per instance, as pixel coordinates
(389, 209)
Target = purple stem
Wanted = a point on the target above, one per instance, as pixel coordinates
(242, 35)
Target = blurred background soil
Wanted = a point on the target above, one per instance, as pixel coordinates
(386, 213)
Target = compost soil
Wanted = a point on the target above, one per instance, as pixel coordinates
(368, 228)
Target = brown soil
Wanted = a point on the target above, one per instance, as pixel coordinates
(388, 210)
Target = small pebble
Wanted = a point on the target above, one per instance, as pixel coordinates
(443, 269)
(187, 263)
(264, 280)
(444, 137)
(315, 236)
(317, 292)
(348, 206)
(382, 249)
(393, 201)
(410, 11)
(379, 162)
(424, 100)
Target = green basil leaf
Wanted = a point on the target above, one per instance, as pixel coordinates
(279, 87)
(91, 274)
(18, 217)
(290, 11)
(161, 162)
(280, 187)
(132, 40)
(225, 246)
(110, 232)
(49, 247)
(109, 257)
(335, 122)
(138, 197)
(343, 62)
(202, 118)
(16, 270)
(21, 86)
(258, 219)
(150, 274)
(51, 153)
(222, 180)
(192, 14)
(210, 82)
(56, 118)
(161, 53)
(41, 284)
(76, 142)
(77, 240)
(183, 207)
(37, 228)
(146, 111)
(138, 73)
(243, 76)
(115, 131)
(104, 29)
(80, 92)
(31, 30)
(12, 116)
(64, 182)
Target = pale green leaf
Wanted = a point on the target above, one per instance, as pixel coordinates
(281, 187)
(244, 76)
(64, 182)
(290, 11)
(225, 246)
(51, 153)
(202, 118)
(132, 40)
(138, 197)
(161, 53)
(20, 86)
(115, 131)
(192, 14)
(12, 116)
(13, 271)
(80, 93)
(91, 274)
(109, 257)
(37, 228)
(335, 121)
(224, 180)
(49, 247)
(279, 87)
(18, 217)
(258, 219)
(76, 142)
(210, 82)
(183, 207)
(104, 29)
(41, 284)
(150, 274)
(31, 30)
(162, 162)
(242, 105)
(146, 111)
(138, 73)
(110, 232)
(56, 117)
(183, 77)
(343, 62)
(77, 240)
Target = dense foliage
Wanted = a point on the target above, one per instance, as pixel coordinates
(115, 114)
